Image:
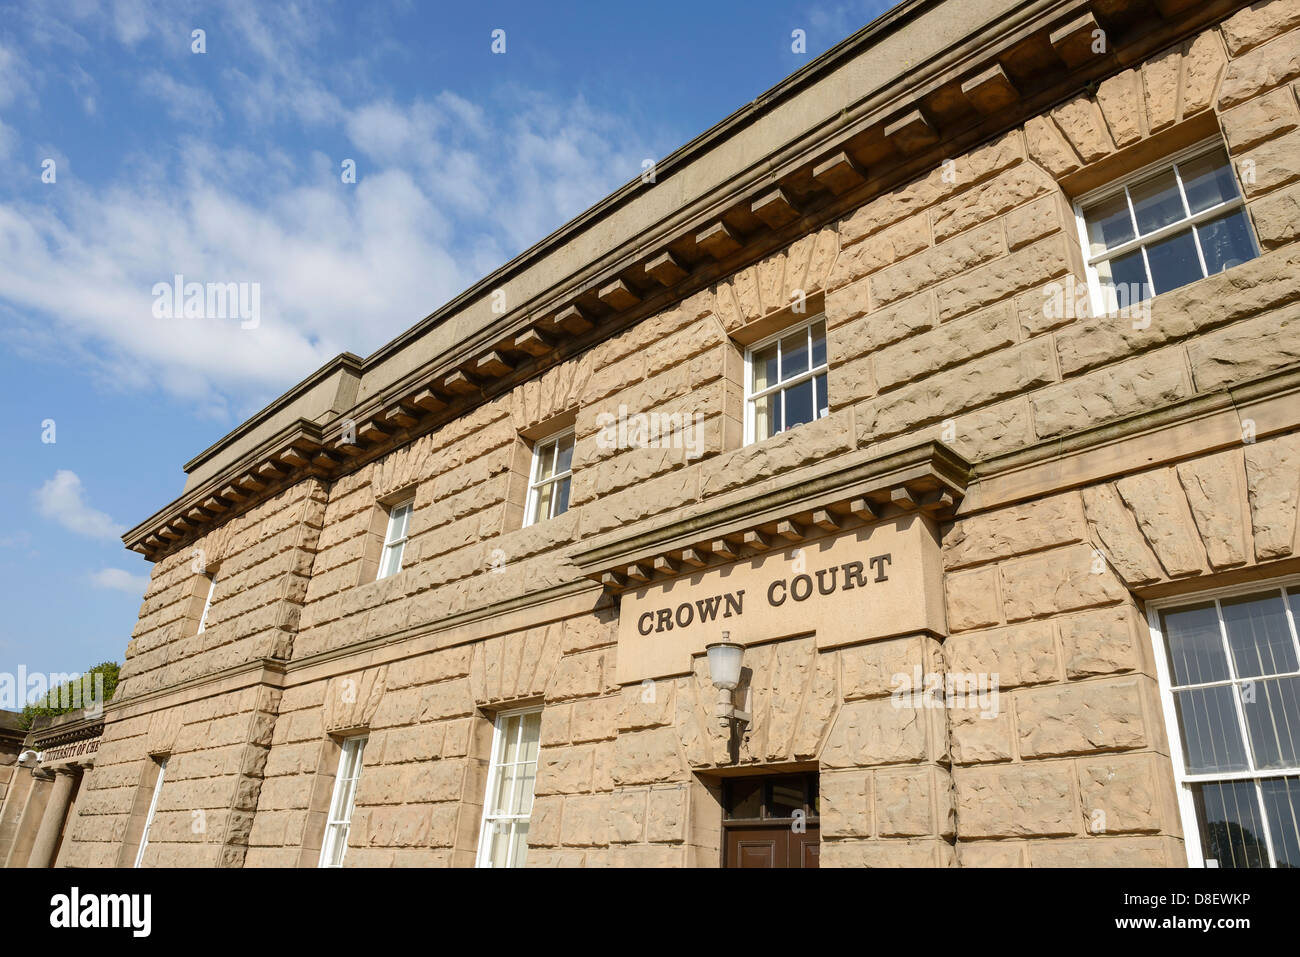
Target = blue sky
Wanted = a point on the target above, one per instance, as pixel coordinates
(225, 166)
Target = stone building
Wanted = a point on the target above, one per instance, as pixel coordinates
(955, 381)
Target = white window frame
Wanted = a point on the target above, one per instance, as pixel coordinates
(207, 602)
(813, 371)
(153, 809)
(1183, 781)
(1096, 294)
(338, 821)
(535, 469)
(394, 542)
(494, 773)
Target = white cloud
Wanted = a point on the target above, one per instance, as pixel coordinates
(120, 580)
(184, 103)
(62, 499)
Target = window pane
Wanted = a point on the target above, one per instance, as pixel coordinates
(1109, 224)
(787, 797)
(401, 519)
(564, 458)
(498, 843)
(1174, 262)
(764, 366)
(532, 734)
(1195, 644)
(1126, 278)
(823, 399)
(545, 455)
(392, 560)
(794, 354)
(1156, 202)
(561, 504)
(510, 739)
(798, 404)
(1259, 635)
(1208, 181)
(1232, 831)
(520, 841)
(503, 798)
(1226, 242)
(1282, 805)
(1211, 733)
(765, 413)
(744, 799)
(1272, 710)
(819, 344)
(542, 503)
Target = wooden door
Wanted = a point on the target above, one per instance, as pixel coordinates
(771, 821)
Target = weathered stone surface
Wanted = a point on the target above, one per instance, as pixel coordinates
(1020, 654)
(1033, 221)
(884, 249)
(979, 738)
(1202, 67)
(1100, 642)
(1215, 490)
(647, 757)
(877, 732)
(978, 382)
(627, 815)
(1019, 800)
(1268, 165)
(1277, 218)
(565, 770)
(1246, 349)
(1160, 83)
(1259, 23)
(1138, 385)
(1048, 147)
(914, 803)
(667, 814)
(1081, 122)
(888, 853)
(1263, 68)
(951, 258)
(973, 599)
(951, 344)
(1122, 105)
(982, 204)
(1103, 852)
(1165, 520)
(790, 449)
(1125, 794)
(1115, 527)
(1260, 119)
(1059, 580)
(1014, 531)
(1272, 468)
(869, 670)
(880, 328)
(1080, 718)
(991, 854)
(1023, 269)
(846, 804)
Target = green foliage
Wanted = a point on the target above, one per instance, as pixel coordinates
(74, 694)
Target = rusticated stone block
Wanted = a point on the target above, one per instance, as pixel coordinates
(1100, 642)
(1049, 148)
(586, 820)
(874, 331)
(1277, 218)
(1105, 852)
(1021, 654)
(1247, 349)
(1081, 121)
(950, 345)
(880, 731)
(1015, 531)
(1081, 718)
(647, 705)
(1261, 69)
(979, 737)
(1130, 793)
(991, 854)
(1122, 105)
(577, 676)
(565, 770)
(1125, 547)
(648, 757)
(1162, 514)
(1259, 23)
(1059, 580)
(1215, 489)
(1016, 800)
(914, 803)
(666, 817)
(973, 600)
(1139, 385)
(846, 804)
(948, 259)
(627, 815)
(1023, 269)
(1260, 119)
(895, 853)
(1271, 469)
(871, 670)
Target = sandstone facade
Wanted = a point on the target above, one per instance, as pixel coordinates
(1100, 465)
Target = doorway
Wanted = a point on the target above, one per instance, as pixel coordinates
(771, 821)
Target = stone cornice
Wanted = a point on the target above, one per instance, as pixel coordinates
(990, 81)
(67, 732)
(850, 491)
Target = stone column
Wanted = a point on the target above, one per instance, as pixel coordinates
(56, 812)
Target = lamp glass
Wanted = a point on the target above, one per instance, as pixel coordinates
(724, 664)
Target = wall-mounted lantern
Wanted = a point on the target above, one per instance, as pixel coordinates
(725, 660)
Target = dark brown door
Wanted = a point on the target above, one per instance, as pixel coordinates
(771, 821)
